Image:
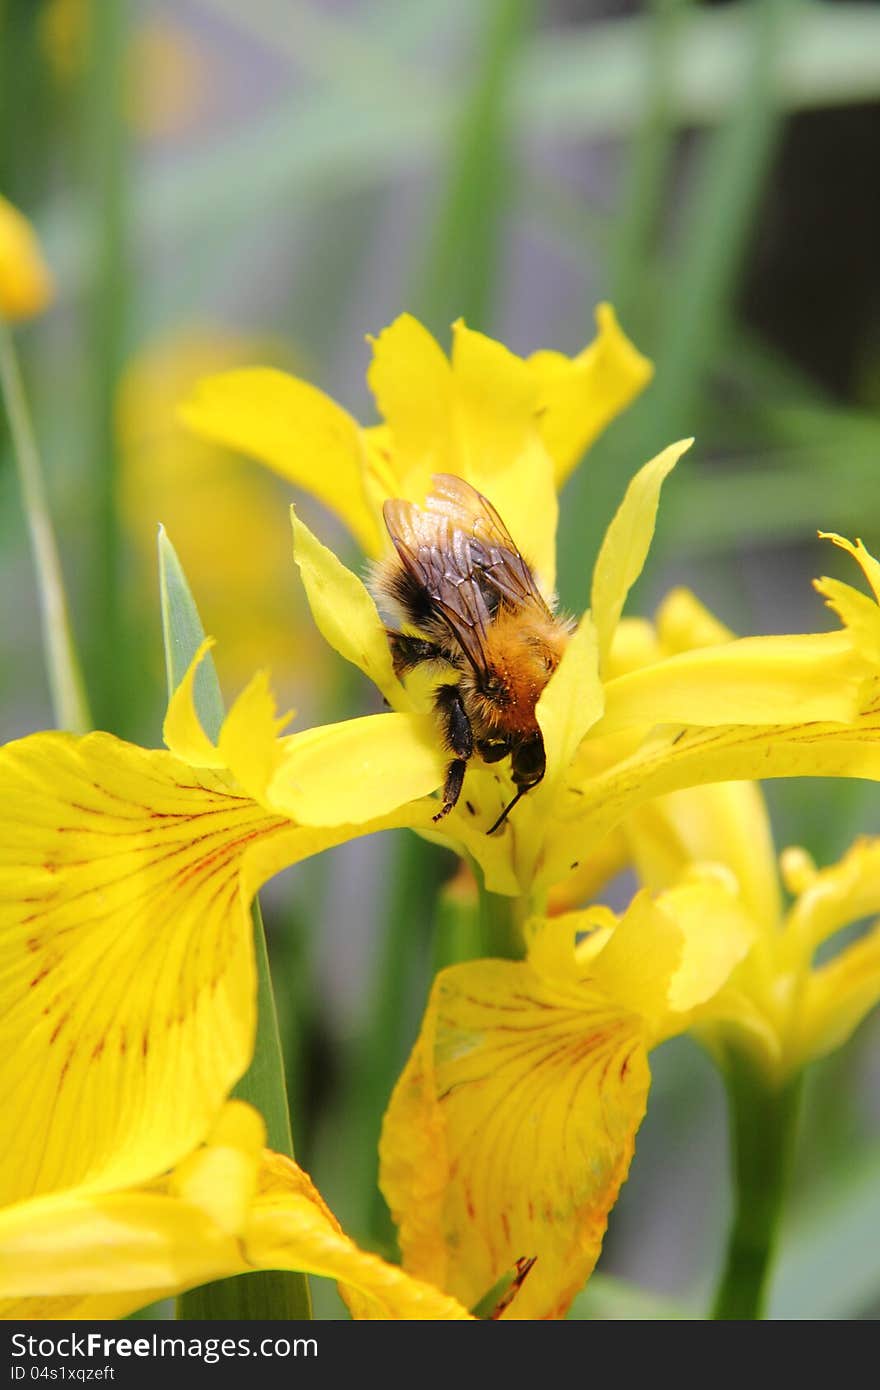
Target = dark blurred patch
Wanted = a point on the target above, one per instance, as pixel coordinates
(812, 282)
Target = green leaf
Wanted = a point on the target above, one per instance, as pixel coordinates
(263, 1295)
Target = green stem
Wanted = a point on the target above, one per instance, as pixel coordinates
(69, 701)
(500, 926)
(105, 176)
(763, 1123)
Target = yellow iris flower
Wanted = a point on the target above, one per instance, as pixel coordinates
(229, 1207)
(126, 874)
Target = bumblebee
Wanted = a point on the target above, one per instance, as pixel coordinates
(461, 585)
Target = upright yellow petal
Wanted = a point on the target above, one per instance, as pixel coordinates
(510, 1132)
(345, 613)
(411, 380)
(844, 892)
(25, 281)
(626, 543)
(577, 397)
(295, 429)
(836, 998)
(572, 701)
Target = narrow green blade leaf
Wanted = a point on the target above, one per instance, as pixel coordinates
(183, 633)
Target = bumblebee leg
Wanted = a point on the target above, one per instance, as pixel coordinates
(409, 652)
(460, 740)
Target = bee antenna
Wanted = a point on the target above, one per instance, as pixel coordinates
(507, 810)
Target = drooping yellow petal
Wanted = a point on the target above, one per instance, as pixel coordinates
(572, 701)
(510, 1132)
(127, 966)
(836, 997)
(355, 771)
(25, 281)
(756, 680)
(626, 543)
(126, 948)
(577, 397)
(291, 1228)
(345, 612)
(295, 429)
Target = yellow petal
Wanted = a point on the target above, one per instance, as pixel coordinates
(717, 933)
(248, 743)
(26, 286)
(862, 556)
(756, 680)
(844, 892)
(634, 644)
(578, 397)
(572, 701)
(118, 1250)
(640, 959)
(499, 449)
(836, 998)
(291, 1228)
(127, 953)
(858, 613)
(360, 769)
(598, 799)
(510, 1132)
(684, 623)
(345, 613)
(725, 823)
(182, 730)
(226, 1210)
(626, 543)
(295, 429)
(411, 381)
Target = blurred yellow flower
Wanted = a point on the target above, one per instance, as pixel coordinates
(223, 517)
(228, 1207)
(26, 286)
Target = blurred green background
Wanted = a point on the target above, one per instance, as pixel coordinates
(218, 183)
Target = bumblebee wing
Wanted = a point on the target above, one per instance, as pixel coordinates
(437, 555)
(494, 554)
